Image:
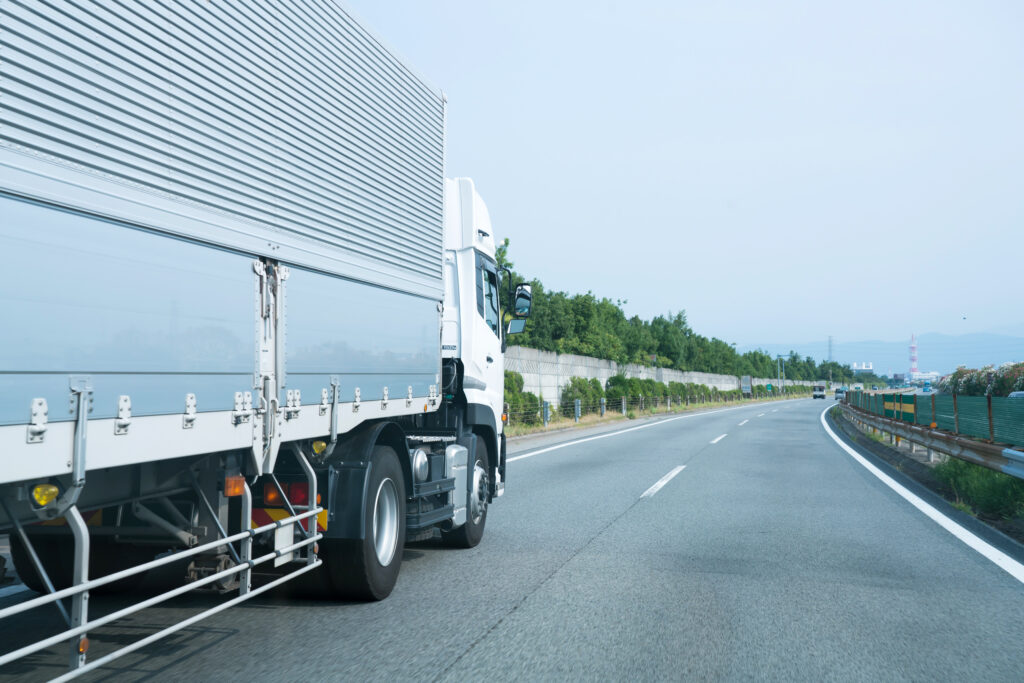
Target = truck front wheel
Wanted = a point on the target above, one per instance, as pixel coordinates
(367, 568)
(471, 533)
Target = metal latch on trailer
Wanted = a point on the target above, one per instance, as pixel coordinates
(293, 403)
(124, 415)
(243, 408)
(188, 420)
(37, 422)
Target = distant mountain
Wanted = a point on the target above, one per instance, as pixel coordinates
(935, 352)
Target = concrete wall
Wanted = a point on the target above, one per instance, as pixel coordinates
(545, 372)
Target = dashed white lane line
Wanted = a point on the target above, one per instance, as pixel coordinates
(621, 431)
(1001, 559)
(719, 438)
(661, 482)
(761, 415)
(743, 423)
(776, 410)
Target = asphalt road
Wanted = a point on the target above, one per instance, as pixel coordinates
(772, 554)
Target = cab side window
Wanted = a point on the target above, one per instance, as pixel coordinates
(487, 295)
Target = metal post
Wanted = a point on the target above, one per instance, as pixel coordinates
(623, 405)
(934, 423)
(245, 578)
(80, 574)
(603, 405)
(576, 409)
(668, 404)
(547, 413)
(956, 416)
(991, 427)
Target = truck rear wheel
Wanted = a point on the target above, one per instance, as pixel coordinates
(57, 552)
(471, 533)
(367, 568)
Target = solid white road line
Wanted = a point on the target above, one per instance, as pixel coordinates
(743, 423)
(661, 482)
(717, 439)
(621, 431)
(1001, 559)
(13, 590)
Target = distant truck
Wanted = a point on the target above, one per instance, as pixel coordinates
(247, 319)
(818, 391)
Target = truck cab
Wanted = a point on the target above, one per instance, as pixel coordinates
(473, 328)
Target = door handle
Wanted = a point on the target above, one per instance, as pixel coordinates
(490, 359)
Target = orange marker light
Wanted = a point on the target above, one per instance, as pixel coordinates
(83, 645)
(234, 485)
(271, 496)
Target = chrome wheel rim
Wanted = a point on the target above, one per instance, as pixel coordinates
(385, 522)
(478, 502)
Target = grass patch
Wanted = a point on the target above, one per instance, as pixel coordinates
(964, 507)
(983, 490)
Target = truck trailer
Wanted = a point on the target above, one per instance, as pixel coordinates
(250, 326)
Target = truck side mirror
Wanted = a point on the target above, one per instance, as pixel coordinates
(516, 325)
(522, 302)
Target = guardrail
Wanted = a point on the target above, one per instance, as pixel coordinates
(999, 457)
(994, 419)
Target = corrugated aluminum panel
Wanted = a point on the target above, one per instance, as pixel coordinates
(283, 129)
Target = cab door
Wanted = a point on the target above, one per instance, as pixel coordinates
(484, 373)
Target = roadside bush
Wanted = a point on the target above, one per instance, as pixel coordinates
(523, 406)
(967, 382)
(589, 393)
(987, 491)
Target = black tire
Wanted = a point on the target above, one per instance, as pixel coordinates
(471, 533)
(57, 553)
(367, 569)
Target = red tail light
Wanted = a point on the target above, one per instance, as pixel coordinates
(298, 493)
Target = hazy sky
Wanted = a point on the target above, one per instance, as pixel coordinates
(781, 171)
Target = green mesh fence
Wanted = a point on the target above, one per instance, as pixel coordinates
(966, 415)
(973, 414)
(1008, 420)
(944, 412)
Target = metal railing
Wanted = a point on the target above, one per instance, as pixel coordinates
(999, 457)
(78, 622)
(990, 418)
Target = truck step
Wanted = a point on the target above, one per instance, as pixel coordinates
(422, 520)
(430, 488)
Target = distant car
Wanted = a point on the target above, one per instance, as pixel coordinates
(1016, 394)
(818, 391)
(840, 394)
(874, 387)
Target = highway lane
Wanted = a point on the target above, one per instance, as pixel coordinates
(770, 554)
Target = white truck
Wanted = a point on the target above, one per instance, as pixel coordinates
(248, 322)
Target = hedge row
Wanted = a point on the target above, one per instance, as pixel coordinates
(589, 392)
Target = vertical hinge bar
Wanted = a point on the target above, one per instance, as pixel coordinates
(335, 397)
(81, 404)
